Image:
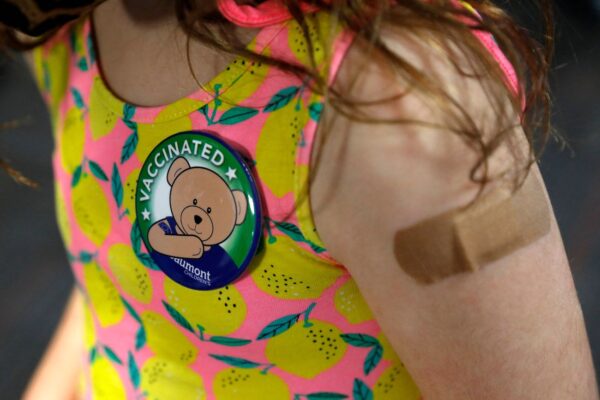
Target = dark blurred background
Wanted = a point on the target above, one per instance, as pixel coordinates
(34, 276)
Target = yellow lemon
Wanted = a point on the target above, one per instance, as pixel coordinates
(130, 273)
(395, 383)
(240, 80)
(104, 110)
(249, 384)
(166, 340)
(38, 66)
(89, 330)
(172, 119)
(129, 193)
(103, 295)
(164, 379)
(319, 32)
(306, 351)
(276, 147)
(303, 209)
(56, 75)
(61, 215)
(388, 351)
(286, 271)
(350, 303)
(220, 311)
(106, 382)
(71, 140)
(181, 108)
(91, 209)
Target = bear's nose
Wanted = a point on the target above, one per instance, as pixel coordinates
(197, 219)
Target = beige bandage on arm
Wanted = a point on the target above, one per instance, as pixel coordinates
(496, 225)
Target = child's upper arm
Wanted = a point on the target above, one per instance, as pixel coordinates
(512, 329)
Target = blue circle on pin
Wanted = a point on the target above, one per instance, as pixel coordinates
(198, 210)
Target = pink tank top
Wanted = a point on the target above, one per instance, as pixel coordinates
(294, 325)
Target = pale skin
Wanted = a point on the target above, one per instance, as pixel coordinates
(513, 330)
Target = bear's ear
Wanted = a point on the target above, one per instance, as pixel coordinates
(179, 165)
(241, 204)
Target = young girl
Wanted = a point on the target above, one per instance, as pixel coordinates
(187, 131)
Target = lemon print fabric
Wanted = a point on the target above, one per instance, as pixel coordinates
(396, 383)
(162, 378)
(91, 209)
(103, 295)
(72, 140)
(320, 33)
(62, 218)
(219, 312)
(106, 382)
(51, 75)
(276, 147)
(301, 345)
(129, 194)
(249, 384)
(103, 116)
(294, 325)
(286, 271)
(350, 303)
(166, 340)
(130, 273)
(171, 120)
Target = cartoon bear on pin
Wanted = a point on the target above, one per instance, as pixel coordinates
(204, 211)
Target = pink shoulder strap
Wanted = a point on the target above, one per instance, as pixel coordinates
(266, 13)
(273, 11)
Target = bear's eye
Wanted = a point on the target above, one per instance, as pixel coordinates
(195, 202)
(208, 210)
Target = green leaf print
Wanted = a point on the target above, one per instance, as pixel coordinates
(360, 340)
(129, 147)
(361, 391)
(281, 98)
(134, 372)
(140, 338)
(91, 51)
(130, 124)
(82, 64)
(204, 111)
(316, 248)
(76, 176)
(178, 317)
(237, 115)
(77, 98)
(130, 310)
(93, 354)
(97, 171)
(372, 359)
(73, 41)
(291, 230)
(235, 361)
(128, 111)
(116, 186)
(46, 75)
(325, 396)
(227, 341)
(86, 257)
(147, 261)
(112, 355)
(314, 110)
(136, 237)
(278, 326)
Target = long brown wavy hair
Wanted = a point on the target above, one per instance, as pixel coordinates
(449, 25)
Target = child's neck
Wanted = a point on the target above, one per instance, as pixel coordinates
(142, 52)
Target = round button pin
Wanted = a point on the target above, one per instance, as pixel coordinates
(198, 210)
